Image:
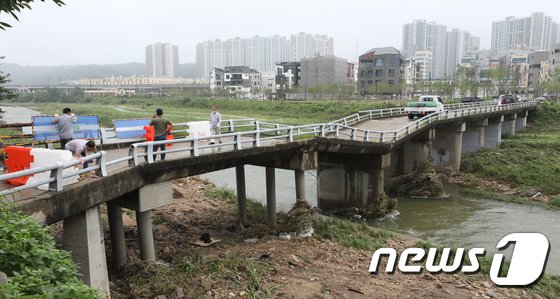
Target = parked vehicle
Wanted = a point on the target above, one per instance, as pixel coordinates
(507, 99)
(425, 105)
(470, 99)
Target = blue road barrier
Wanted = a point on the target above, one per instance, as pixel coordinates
(130, 128)
(87, 126)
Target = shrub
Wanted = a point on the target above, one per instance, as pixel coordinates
(34, 266)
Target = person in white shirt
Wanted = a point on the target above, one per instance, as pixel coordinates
(81, 148)
(215, 123)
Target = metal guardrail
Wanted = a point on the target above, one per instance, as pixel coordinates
(245, 139)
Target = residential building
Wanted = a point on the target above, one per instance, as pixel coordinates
(304, 45)
(321, 70)
(260, 53)
(536, 59)
(288, 75)
(459, 43)
(235, 79)
(537, 32)
(424, 60)
(421, 35)
(519, 67)
(549, 66)
(351, 74)
(269, 81)
(162, 60)
(409, 75)
(380, 65)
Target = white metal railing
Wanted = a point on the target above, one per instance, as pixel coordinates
(261, 131)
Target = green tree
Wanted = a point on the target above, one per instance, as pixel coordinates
(14, 7)
(5, 94)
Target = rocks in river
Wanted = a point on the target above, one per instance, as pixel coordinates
(422, 182)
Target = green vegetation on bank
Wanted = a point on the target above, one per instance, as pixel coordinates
(530, 159)
(35, 268)
(182, 108)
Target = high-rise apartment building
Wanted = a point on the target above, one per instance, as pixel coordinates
(162, 60)
(459, 43)
(537, 32)
(421, 35)
(260, 53)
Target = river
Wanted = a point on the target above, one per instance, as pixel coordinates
(457, 220)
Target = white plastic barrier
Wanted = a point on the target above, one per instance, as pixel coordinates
(44, 157)
(199, 129)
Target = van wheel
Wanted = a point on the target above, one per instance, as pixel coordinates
(410, 116)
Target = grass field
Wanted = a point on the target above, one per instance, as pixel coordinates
(184, 110)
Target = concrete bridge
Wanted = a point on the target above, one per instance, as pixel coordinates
(353, 157)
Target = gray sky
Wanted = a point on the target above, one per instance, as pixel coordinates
(117, 31)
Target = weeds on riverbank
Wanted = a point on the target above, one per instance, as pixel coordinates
(530, 159)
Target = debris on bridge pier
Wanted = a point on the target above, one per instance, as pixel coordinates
(423, 182)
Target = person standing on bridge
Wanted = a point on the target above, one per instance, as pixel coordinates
(215, 123)
(64, 126)
(162, 126)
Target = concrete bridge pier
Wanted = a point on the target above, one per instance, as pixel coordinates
(241, 194)
(447, 146)
(416, 152)
(473, 137)
(142, 201)
(350, 180)
(508, 127)
(83, 237)
(493, 132)
(270, 173)
(521, 121)
(300, 184)
(116, 230)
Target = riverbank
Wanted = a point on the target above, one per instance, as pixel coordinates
(524, 169)
(255, 263)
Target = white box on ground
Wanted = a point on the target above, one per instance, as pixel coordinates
(45, 157)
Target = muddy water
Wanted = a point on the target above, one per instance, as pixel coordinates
(15, 114)
(457, 220)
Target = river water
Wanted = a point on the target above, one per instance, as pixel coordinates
(457, 220)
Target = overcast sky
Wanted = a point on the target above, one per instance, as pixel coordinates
(117, 31)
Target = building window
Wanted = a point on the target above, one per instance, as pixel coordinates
(378, 73)
(227, 76)
(369, 82)
(370, 72)
(391, 73)
(391, 82)
(394, 62)
(378, 62)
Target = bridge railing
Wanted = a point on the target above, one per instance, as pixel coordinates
(263, 131)
(57, 174)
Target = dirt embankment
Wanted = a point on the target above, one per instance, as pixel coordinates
(251, 263)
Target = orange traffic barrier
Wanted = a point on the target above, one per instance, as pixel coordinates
(150, 134)
(169, 136)
(19, 158)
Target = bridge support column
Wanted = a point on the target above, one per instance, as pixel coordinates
(116, 229)
(241, 194)
(271, 197)
(143, 201)
(447, 145)
(473, 137)
(521, 121)
(508, 127)
(416, 152)
(145, 235)
(493, 132)
(350, 180)
(83, 237)
(300, 184)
